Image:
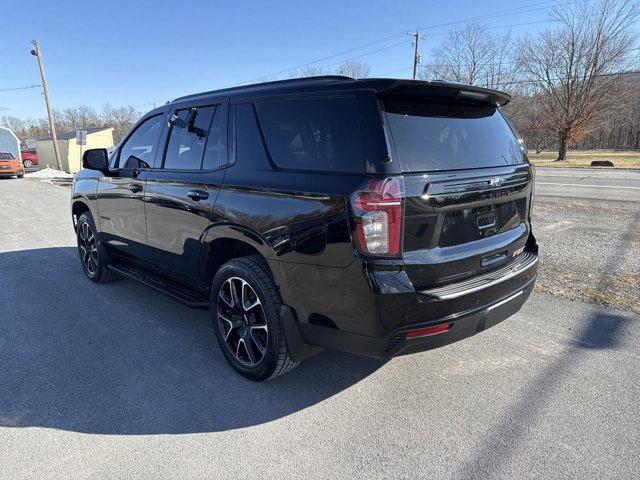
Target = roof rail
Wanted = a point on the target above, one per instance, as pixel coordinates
(318, 79)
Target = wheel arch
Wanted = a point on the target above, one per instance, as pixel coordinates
(225, 242)
(80, 205)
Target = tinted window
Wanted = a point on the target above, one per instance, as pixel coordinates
(186, 144)
(143, 142)
(6, 156)
(250, 149)
(321, 134)
(450, 137)
(215, 153)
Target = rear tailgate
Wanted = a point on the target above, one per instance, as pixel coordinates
(464, 223)
(467, 185)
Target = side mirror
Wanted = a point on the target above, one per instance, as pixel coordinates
(96, 159)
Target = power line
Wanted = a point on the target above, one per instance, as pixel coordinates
(498, 13)
(359, 47)
(20, 88)
(363, 55)
(499, 64)
(394, 71)
(503, 13)
(575, 77)
(154, 103)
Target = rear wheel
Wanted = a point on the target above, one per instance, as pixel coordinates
(95, 261)
(28, 163)
(245, 309)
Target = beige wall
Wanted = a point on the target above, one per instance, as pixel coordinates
(47, 156)
(70, 153)
(102, 139)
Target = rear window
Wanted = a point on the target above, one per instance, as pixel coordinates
(432, 137)
(313, 134)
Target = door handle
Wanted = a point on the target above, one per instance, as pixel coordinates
(135, 187)
(197, 195)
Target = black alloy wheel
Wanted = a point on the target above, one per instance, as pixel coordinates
(94, 259)
(88, 248)
(242, 321)
(245, 310)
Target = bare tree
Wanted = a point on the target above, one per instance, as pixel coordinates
(471, 54)
(526, 113)
(77, 118)
(354, 68)
(308, 72)
(121, 119)
(26, 129)
(572, 68)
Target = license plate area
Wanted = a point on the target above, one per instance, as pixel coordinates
(470, 224)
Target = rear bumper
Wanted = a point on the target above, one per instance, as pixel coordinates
(464, 324)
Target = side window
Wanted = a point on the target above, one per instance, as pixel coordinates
(250, 152)
(215, 153)
(186, 144)
(317, 134)
(140, 148)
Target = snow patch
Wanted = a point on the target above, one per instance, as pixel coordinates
(49, 173)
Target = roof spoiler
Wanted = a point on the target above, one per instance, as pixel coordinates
(437, 88)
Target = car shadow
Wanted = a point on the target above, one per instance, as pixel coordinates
(119, 358)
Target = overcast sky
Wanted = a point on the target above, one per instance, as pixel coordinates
(136, 53)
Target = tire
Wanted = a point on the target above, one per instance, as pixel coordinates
(20, 175)
(28, 163)
(258, 328)
(93, 258)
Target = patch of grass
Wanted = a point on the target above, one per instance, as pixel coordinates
(615, 291)
(583, 158)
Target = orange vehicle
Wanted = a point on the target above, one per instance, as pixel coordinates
(10, 165)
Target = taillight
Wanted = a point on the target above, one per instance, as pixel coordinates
(378, 214)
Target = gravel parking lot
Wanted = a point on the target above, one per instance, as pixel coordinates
(118, 381)
(590, 250)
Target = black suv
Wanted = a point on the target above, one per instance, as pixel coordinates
(377, 216)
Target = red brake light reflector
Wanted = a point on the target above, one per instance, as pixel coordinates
(425, 332)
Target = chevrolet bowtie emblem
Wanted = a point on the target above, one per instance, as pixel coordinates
(496, 181)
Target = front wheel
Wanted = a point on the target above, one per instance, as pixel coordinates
(94, 259)
(28, 163)
(245, 309)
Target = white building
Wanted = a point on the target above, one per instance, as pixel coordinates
(9, 142)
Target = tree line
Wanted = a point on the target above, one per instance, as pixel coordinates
(75, 118)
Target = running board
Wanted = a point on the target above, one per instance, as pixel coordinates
(190, 298)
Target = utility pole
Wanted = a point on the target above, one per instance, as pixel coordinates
(416, 52)
(36, 53)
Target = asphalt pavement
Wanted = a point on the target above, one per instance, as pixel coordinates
(118, 381)
(589, 183)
